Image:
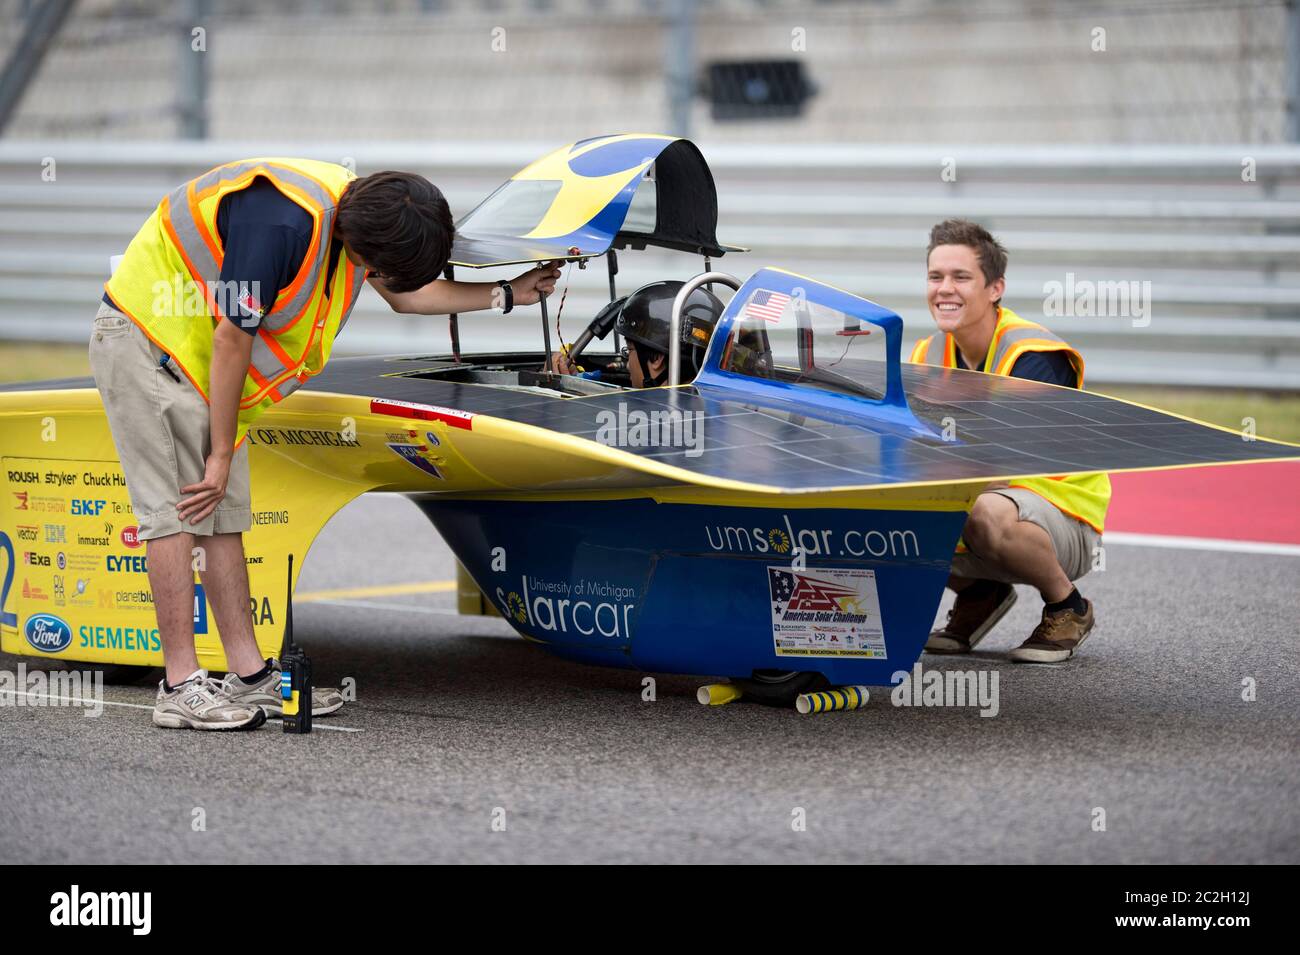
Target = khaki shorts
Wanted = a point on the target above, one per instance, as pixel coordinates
(1074, 540)
(161, 430)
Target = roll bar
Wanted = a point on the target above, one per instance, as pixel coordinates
(675, 324)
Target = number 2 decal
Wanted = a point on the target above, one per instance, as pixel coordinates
(7, 619)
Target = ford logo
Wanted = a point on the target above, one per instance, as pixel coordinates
(48, 633)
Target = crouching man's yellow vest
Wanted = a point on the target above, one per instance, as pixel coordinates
(1084, 497)
(168, 281)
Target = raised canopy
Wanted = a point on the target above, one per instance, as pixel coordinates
(633, 189)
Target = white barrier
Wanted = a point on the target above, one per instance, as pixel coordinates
(1206, 240)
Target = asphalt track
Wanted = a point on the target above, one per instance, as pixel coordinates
(456, 719)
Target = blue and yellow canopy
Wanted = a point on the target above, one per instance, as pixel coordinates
(593, 195)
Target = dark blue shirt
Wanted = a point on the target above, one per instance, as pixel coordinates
(1049, 366)
(265, 236)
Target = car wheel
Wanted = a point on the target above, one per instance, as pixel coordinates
(780, 687)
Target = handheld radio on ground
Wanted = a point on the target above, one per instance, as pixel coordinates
(295, 673)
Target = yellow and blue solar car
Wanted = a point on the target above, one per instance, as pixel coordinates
(785, 518)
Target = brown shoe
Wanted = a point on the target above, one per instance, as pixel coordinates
(1056, 637)
(970, 619)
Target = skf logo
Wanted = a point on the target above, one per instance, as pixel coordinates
(27, 532)
(133, 909)
(131, 535)
(33, 559)
(87, 508)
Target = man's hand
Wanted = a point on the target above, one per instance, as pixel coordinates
(232, 348)
(561, 364)
(207, 494)
(529, 288)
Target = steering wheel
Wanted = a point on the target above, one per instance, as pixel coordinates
(599, 327)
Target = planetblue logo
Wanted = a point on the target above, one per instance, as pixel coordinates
(48, 633)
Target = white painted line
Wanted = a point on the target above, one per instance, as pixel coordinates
(1202, 543)
(81, 704)
(89, 705)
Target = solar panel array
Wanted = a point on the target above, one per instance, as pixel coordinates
(996, 427)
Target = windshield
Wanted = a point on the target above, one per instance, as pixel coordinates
(642, 213)
(515, 209)
(789, 338)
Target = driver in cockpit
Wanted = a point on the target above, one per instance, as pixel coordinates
(644, 318)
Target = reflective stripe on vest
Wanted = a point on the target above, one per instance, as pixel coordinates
(1085, 497)
(180, 242)
(1012, 338)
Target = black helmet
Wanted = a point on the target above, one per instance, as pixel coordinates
(646, 318)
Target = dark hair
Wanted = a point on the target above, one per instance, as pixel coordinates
(400, 226)
(992, 256)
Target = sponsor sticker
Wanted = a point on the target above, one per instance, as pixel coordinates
(47, 633)
(825, 612)
(418, 455)
(200, 609)
(409, 409)
(580, 609)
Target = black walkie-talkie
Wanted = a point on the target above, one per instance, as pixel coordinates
(295, 673)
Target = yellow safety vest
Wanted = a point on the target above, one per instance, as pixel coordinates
(1084, 497)
(167, 282)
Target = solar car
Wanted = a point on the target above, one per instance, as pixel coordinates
(781, 512)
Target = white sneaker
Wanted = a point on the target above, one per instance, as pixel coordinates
(200, 703)
(266, 694)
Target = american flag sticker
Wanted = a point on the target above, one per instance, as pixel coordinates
(766, 305)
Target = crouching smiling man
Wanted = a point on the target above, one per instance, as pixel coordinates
(1041, 531)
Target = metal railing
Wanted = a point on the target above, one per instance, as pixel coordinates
(1190, 254)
